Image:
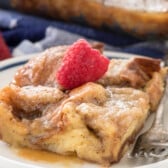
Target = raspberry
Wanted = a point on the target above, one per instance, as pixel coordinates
(4, 51)
(81, 64)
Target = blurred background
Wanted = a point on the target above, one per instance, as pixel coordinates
(131, 26)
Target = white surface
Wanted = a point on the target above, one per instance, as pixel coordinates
(140, 5)
(9, 159)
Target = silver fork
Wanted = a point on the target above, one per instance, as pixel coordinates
(154, 142)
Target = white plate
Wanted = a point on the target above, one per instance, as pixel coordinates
(9, 159)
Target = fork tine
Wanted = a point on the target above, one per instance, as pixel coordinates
(159, 152)
(149, 150)
(154, 142)
(137, 146)
(158, 155)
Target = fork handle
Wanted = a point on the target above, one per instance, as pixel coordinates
(160, 111)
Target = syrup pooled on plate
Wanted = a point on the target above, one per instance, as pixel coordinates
(49, 157)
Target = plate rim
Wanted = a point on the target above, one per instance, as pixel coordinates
(107, 53)
(110, 54)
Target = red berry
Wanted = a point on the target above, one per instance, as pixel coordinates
(4, 51)
(81, 64)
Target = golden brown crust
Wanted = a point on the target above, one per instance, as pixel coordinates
(134, 72)
(30, 73)
(139, 70)
(148, 65)
(137, 22)
(155, 88)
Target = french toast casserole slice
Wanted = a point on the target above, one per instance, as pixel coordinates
(96, 121)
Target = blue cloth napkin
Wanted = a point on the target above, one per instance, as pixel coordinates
(42, 33)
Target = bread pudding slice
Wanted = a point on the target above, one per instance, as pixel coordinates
(93, 122)
(96, 121)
